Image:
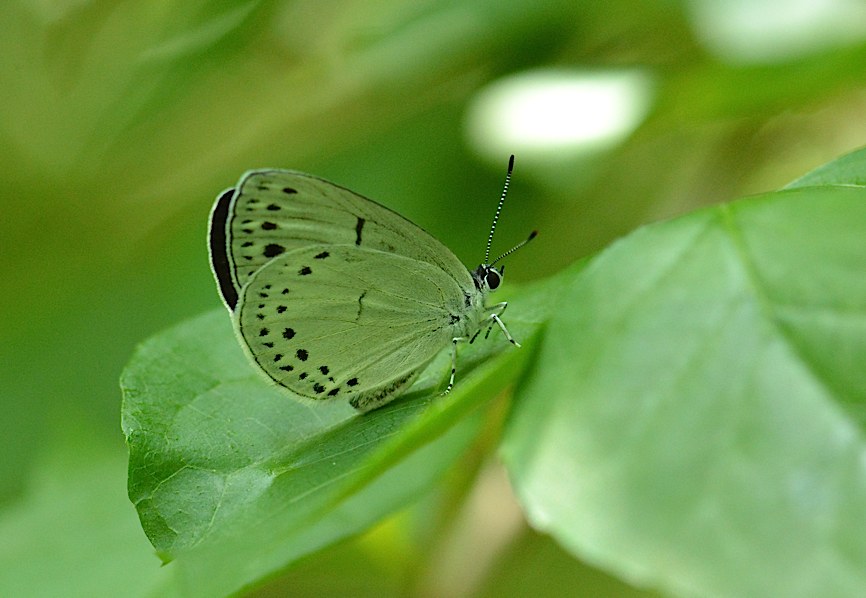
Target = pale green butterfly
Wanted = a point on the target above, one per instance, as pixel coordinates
(333, 295)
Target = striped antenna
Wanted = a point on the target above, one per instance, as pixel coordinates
(499, 210)
(532, 235)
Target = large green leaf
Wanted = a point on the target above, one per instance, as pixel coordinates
(695, 421)
(235, 480)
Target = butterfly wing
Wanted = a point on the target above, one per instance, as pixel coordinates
(330, 321)
(271, 212)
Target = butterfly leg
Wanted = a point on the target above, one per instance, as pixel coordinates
(497, 310)
(495, 318)
(501, 309)
(454, 342)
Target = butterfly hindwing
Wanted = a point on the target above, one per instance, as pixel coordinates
(347, 321)
(272, 212)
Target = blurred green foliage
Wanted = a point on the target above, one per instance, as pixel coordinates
(121, 120)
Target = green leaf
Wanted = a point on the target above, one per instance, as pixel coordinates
(847, 170)
(73, 532)
(695, 420)
(235, 480)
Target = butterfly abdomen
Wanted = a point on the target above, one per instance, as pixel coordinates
(384, 394)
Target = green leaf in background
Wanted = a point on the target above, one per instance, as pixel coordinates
(695, 419)
(847, 170)
(236, 480)
(73, 517)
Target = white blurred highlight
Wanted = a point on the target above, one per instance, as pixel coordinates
(768, 31)
(543, 113)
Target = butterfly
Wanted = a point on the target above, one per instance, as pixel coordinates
(333, 295)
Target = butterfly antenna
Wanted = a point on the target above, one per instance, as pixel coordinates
(499, 208)
(531, 236)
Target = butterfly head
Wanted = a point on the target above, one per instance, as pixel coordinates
(487, 277)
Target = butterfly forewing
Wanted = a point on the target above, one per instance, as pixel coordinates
(272, 212)
(347, 321)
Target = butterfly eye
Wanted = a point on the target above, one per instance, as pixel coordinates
(493, 279)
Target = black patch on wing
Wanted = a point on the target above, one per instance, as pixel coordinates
(273, 250)
(359, 226)
(219, 258)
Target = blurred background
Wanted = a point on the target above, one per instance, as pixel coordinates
(120, 121)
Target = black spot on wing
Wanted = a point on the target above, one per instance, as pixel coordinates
(352, 382)
(289, 191)
(302, 354)
(305, 271)
(324, 369)
(273, 207)
(269, 225)
(273, 250)
(360, 305)
(322, 255)
(288, 334)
